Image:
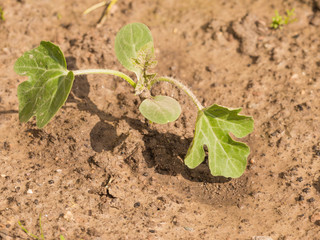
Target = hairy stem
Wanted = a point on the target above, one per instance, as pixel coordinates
(182, 87)
(108, 72)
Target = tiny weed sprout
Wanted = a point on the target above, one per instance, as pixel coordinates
(30, 234)
(50, 82)
(1, 14)
(279, 21)
(108, 6)
(33, 236)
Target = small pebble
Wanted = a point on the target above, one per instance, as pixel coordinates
(29, 191)
(208, 69)
(51, 182)
(306, 190)
(295, 76)
(310, 200)
(136, 205)
(188, 229)
(300, 198)
(299, 179)
(68, 216)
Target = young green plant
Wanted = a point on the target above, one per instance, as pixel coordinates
(279, 21)
(33, 235)
(50, 82)
(2, 14)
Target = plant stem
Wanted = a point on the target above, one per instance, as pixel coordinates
(41, 230)
(182, 87)
(106, 71)
(27, 232)
(94, 7)
(106, 13)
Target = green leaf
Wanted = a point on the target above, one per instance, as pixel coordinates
(2, 14)
(227, 157)
(129, 41)
(48, 86)
(160, 109)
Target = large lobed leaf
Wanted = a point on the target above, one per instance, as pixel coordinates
(48, 86)
(227, 157)
(129, 41)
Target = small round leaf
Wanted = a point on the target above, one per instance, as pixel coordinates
(129, 40)
(160, 109)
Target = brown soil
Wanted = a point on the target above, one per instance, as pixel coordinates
(98, 170)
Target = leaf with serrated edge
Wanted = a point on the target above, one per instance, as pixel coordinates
(160, 109)
(129, 40)
(227, 157)
(48, 86)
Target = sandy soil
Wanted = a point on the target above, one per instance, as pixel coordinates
(100, 171)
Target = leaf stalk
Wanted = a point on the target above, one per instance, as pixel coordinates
(106, 71)
(182, 87)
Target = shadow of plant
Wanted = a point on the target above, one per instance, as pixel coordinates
(163, 152)
(103, 136)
